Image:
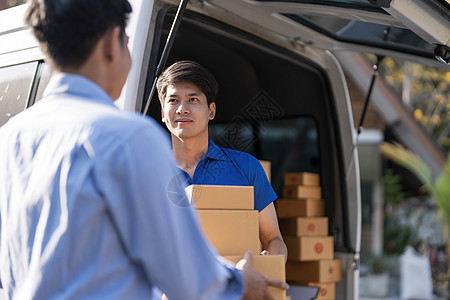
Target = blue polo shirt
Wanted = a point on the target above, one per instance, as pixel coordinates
(222, 166)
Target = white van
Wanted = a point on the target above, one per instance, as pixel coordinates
(282, 96)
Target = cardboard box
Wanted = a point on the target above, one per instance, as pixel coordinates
(327, 290)
(289, 208)
(302, 178)
(220, 196)
(288, 297)
(267, 168)
(271, 266)
(305, 248)
(302, 226)
(302, 191)
(231, 232)
(320, 271)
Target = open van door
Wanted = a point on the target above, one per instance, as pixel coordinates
(429, 19)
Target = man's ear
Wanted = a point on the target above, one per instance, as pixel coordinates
(212, 110)
(163, 116)
(112, 44)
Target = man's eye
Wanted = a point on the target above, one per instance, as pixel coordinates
(172, 100)
(193, 99)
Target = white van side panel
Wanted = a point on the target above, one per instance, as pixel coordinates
(139, 29)
(17, 44)
(12, 18)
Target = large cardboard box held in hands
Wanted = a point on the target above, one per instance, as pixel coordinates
(289, 208)
(302, 178)
(271, 266)
(305, 248)
(302, 226)
(231, 232)
(320, 271)
(220, 196)
(267, 168)
(302, 191)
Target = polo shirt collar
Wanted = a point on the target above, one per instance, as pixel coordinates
(215, 152)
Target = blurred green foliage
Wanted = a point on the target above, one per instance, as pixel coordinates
(393, 188)
(377, 264)
(439, 188)
(397, 235)
(426, 90)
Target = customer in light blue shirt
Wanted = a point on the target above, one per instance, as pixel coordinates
(84, 205)
(187, 92)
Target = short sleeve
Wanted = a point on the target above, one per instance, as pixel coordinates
(264, 193)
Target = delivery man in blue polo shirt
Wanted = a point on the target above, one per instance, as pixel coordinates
(187, 92)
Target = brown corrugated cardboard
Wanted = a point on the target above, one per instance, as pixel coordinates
(327, 290)
(303, 178)
(303, 226)
(220, 196)
(231, 232)
(320, 271)
(305, 248)
(267, 168)
(302, 191)
(288, 208)
(271, 266)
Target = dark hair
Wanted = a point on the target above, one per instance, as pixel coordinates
(68, 30)
(188, 71)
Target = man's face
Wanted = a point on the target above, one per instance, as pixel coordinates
(122, 66)
(185, 110)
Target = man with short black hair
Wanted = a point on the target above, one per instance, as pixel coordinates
(187, 92)
(84, 205)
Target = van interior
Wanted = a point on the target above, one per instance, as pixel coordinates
(272, 104)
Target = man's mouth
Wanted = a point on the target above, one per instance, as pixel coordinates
(183, 121)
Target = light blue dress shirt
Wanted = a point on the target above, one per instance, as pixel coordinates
(84, 206)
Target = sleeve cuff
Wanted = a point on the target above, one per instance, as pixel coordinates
(235, 288)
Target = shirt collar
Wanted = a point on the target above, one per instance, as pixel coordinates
(215, 152)
(77, 85)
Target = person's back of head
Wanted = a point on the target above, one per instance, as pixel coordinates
(68, 30)
(188, 71)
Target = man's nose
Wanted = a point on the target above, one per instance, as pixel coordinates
(183, 108)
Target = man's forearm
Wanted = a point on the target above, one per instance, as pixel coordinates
(277, 246)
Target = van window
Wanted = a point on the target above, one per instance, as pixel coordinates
(291, 145)
(44, 78)
(15, 86)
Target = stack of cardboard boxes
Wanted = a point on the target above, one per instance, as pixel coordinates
(305, 231)
(230, 223)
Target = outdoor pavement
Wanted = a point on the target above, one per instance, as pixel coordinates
(394, 291)
(393, 298)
